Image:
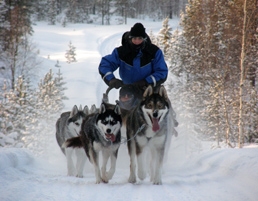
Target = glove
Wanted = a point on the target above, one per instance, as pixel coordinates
(141, 83)
(115, 83)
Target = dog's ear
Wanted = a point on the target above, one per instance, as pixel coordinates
(93, 108)
(117, 109)
(86, 110)
(148, 91)
(163, 92)
(80, 108)
(74, 111)
(102, 108)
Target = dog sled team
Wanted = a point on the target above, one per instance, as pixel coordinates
(143, 109)
(91, 132)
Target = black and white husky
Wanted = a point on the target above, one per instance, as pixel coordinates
(100, 132)
(68, 125)
(147, 132)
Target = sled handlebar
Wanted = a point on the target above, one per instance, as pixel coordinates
(105, 95)
(108, 90)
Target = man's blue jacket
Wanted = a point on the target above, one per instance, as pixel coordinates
(146, 64)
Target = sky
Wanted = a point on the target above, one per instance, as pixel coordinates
(193, 171)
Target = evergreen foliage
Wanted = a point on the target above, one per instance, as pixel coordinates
(204, 61)
(207, 55)
(26, 112)
(70, 53)
(52, 11)
(165, 37)
(16, 50)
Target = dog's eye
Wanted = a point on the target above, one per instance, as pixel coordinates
(77, 124)
(160, 105)
(149, 106)
(113, 122)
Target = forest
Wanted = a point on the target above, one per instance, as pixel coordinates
(213, 57)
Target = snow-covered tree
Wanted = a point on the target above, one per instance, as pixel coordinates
(165, 34)
(60, 84)
(15, 26)
(15, 115)
(47, 95)
(52, 11)
(26, 113)
(206, 54)
(70, 53)
(153, 38)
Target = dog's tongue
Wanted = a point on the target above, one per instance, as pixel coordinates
(155, 124)
(111, 137)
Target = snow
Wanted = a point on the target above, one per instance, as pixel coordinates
(189, 174)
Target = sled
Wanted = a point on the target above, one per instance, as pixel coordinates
(105, 95)
(129, 96)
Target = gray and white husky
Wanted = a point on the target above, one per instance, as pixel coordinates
(68, 125)
(100, 133)
(147, 132)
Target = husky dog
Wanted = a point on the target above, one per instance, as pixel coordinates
(147, 134)
(67, 126)
(100, 132)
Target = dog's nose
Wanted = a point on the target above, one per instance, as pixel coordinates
(108, 130)
(155, 113)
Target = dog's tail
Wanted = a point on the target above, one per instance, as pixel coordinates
(74, 142)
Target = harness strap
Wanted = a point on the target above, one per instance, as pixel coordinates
(139, 130)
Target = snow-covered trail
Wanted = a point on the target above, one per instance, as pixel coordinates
(211, 176)
(84, 83)
(214, 175)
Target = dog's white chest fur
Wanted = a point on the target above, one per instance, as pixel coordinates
(150, 138)
(97, 146)
(149, 132)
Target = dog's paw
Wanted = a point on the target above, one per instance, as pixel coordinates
(71, 174)
(132, 179)
(110, 174)
(79, 176)
(157, 182)
(99, 180)
(104, 178)
(141, 174)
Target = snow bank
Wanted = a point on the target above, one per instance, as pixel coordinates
(14, 158)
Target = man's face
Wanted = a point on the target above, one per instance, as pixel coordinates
(137, 40)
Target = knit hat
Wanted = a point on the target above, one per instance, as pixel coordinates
(138, 30)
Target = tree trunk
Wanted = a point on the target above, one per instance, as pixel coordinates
(242, 78)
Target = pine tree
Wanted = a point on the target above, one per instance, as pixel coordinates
(14, 114)
(16, 26)
(48, 109)
(209, 55)
(6, 126)
(59, 80)
(165, 36)
(52, 11)
(47, 96)
(40, 8)
(153, 38)
(72, 12)
(70, 54)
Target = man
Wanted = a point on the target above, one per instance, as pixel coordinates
(139, 61)
(140, 64)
